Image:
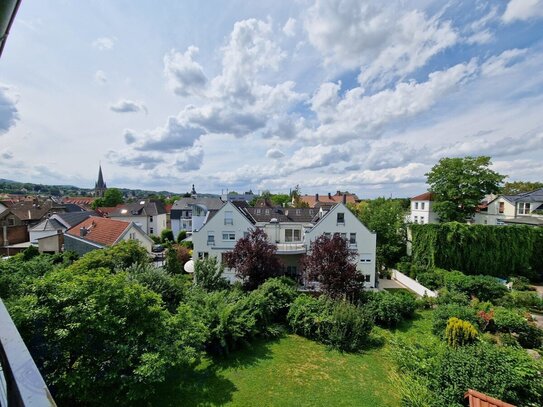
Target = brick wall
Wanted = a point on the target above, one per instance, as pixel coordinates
(15, 234)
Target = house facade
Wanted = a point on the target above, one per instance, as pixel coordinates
(147, 214)
(98, 233)
(291, 230)
(189, 213)
(422, 210)
(521, 209)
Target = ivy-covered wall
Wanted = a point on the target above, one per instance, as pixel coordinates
(479, 249)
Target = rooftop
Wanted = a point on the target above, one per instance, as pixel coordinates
(103, 231)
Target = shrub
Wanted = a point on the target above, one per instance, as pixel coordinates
(511, 322)
(431, 279)
(390, 309)
(272, 300)
(521, 284)
(336, 323)
(443, 313)
(166, 236)
(452, 297)
(208, 275)
(460, 333)
(176, 257)
(182, 235)
(523, 299)
(485, 288)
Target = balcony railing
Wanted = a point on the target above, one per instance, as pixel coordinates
(21, 383)
(290, 248)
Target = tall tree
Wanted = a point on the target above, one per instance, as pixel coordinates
(459, 185)
(386, 217)
(332, 264)
(518, 187)
(112, 197)
(254, 259)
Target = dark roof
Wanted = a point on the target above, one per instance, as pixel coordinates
(186, 203)
(266, 214)
(533, 196)
(73, 218)
(427, 196)
(144, 207)
(525, 220)
(31, 210)
(71, 207)
(47, 224)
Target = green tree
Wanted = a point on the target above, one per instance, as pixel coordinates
(208, 274)
(166, 235)
(459, 185)
(386, 217)
(518, 187)
(280, 199)
(112, 197)
(182, 235)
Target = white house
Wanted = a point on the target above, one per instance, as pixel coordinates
(521, 209)
(189, 213)
(422, 209)
(149, 215)
(57, 223)
(292, 230)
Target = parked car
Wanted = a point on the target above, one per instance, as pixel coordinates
(157, 248)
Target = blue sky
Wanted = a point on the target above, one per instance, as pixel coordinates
(328, 95)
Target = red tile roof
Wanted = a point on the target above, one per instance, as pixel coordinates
(311, 200)
(103, 231)
(477, 399)
(106, 210)
(79, 200)
(427, 196)
(168, 208)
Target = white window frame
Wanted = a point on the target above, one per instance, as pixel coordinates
(228, 217)
(228, 236)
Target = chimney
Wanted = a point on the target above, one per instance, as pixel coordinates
(329, 195)
(83, 232)
(316, 197)
(344, 199)
(338, 193)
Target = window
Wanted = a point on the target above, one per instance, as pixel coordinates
(293, 235)
(298, 211)
(258, 211)
(228, 236)
(501, 208)
(311, 211)
(245, 235)
(132, 235)
(11, 222)
(523, 208)
(327, 234)
(341, 218)
(150, 218)
(365, 258)
(367, 278)
(422, 219)
(151, 231)
(416, 219)
(352, 238)
(203, 255)
(228, 218)
(210, 238)
(422, 205)
(267, 211)
(416, 205)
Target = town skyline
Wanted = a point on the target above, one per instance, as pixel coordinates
(326, 95)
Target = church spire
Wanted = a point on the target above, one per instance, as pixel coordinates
(100, 186)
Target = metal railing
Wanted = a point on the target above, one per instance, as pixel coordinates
(21, 384)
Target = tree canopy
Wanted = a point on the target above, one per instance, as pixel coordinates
(112, 197)
(331, 263)
(459, 185)
(254, 259)
(518, 187)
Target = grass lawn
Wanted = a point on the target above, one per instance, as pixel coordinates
(293, 371)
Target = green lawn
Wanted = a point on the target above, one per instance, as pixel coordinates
(293, 371)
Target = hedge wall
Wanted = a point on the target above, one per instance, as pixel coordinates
(479, 249)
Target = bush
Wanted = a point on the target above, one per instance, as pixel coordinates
(523, 299)
(443, 313)
(521, 284)
(208, 274)
(166, 236)
(452, 297)
(460, 333)
(273, 300)
(336, 323)
(485, 288)
(182, 235)
(431, 279)
(388, 309)
(176, 257)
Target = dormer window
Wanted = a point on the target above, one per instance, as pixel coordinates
(341, 218)
(267, 211)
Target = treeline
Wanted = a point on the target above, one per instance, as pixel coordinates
(500, 251)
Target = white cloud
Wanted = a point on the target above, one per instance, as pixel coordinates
(100, 77)
(386, 41)
(274, 153)
(176, 135)
(190, 159)
(523, 10)
(498, 64)
(104, 43)
(127, 106)
(289, 29)
(185, 76)
(129, 136)
(139, 161)
(8, 109)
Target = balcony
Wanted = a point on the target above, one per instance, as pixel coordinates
(291, 248)
(21, 383)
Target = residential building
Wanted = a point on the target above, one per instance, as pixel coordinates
(57, 223)
(234, 196)
(315, 201)
(190, 213)
(148, 214)
(98, 233)
(422, 209)
(291, 229)
(521, 209)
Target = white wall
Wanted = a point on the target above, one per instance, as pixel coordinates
(34, 236)
(419, 215)
(134, 233)
(365, 240)
(412, 284)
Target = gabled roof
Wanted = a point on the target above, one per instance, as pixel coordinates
(533, 196)
(72, 218)
(300, 215)
(46, 225)
(313, 200)
(144, 207)
(103, 231)
(186, 203)
(31, 210)
(427, 196)
(477, 399)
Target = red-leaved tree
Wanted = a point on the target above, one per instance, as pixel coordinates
(332, 264)
(254, 259)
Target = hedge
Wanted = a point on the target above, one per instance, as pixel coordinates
(479, 249)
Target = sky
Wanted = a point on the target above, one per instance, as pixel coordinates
(364, 96)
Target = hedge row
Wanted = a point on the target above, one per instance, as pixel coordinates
(479, 249)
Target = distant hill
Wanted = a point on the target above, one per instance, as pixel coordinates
(8, 186)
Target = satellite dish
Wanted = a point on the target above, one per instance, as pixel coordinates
(189, 266)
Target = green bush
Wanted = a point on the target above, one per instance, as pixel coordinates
(485, 288)
(443, 313)
(388, 309)
(434, 280)
(460, 333)
(272, 300)
(182, 235)
(166, 236)
(336, 323)
(523, 299)
(521, 284)
(208, 274)
(452, 297)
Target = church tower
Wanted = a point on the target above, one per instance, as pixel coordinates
(100, 186)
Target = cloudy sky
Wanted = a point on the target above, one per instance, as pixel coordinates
(336, 94)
